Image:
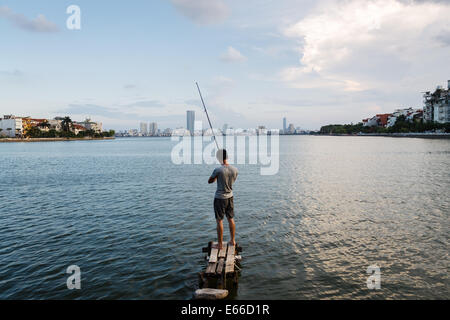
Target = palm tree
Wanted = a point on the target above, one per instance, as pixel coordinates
(44, 124)
(66, 124)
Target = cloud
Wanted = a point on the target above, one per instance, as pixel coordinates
(356, 45)
(13, 73)
(194, 102)
(129, 86)
(38, 24)
(203, 12)
(232, 55)
(91, 110)
(128, 111)
(146, 104)
(444, 38)
(222, 81)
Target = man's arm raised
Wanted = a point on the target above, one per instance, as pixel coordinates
(213, 177)
(212, 180)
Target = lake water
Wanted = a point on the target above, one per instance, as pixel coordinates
(135, 223)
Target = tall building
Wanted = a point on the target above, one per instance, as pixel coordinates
(291, 128)
(190, 117)
(437, 105)
(284, 125)
(153, 129)
(224, 129)
(144, 128)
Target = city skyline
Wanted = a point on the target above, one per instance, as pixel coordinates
(436, 109)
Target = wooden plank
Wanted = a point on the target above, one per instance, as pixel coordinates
(220, 266)
(229, 268)
(230, 259)
(223, 251)
(230, 254)
(230, 250)
(213, 256)
(211, 268)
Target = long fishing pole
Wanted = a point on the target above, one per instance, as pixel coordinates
(207, 115)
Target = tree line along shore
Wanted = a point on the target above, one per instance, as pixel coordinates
(5, 140)
(401, 126)
(43, 130)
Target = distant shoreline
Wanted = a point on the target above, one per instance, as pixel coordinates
(394, 135)
(388, 135)
(5, 140)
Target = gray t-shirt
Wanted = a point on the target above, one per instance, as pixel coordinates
(226, 176)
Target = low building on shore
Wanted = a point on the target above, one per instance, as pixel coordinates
(380, 120)
(76, 128)
(11, 126)
(90, 125)
(410, 115)
(437, 105)
(387, 120)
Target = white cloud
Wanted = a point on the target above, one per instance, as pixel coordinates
(222, 81)
(355, 45)
(203, 11)
(39, 24)
(233, 55)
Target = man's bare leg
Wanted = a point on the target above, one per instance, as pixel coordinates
(232, 231)
(220, 233)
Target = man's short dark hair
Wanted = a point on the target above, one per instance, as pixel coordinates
(222, 155)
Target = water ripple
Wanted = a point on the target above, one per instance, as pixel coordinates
(135, 223)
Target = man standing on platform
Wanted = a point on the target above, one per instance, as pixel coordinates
(225, 175)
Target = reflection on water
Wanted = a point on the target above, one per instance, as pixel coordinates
(135, 223)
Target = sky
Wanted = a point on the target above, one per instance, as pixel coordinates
(314, 62)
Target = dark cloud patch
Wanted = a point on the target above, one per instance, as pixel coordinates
(96, 110)
(203, 11)
(13, 73)
(92, 109)
(444, 38)
(129, 86)
(38, 24)
(123, 111)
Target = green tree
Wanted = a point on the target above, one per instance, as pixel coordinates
(66, 124)
(52, 133)
(34, 132)
(109, 133)
(44, 124)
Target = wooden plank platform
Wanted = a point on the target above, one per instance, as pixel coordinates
(221, 262)
(220, 273)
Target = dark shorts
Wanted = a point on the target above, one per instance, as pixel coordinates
(224, 207)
